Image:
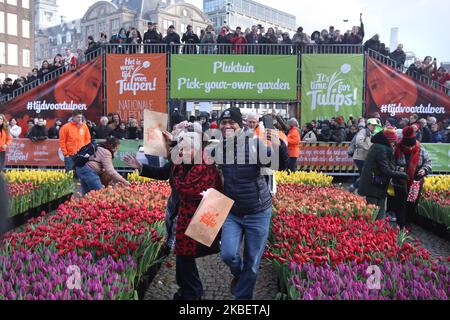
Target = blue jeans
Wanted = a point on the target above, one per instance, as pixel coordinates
(69, 164)
(89, 179)
(188, 279)
(2, 160)
(360, 165)
(254, 228)
(293, 164)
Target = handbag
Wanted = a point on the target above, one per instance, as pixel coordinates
(391, 190)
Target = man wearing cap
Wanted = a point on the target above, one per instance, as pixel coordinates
(240, 157)
(173, 40)
(152, 39)
(362, 146)
(379, 169)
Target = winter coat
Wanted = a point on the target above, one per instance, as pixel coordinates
(152, 37)
(239, 44)
(338, 134)
(398, 56)
(190, 41)
(426, 135)
(300, 38)
(437, 137)
(38, 133)
(133, 133)
(189, 181)
(372, 44)
(243, 182)
(102, 163)
(53, 132)
(363, 144)
(294, 139)
(310, 137)
(102, 132)
(119, 134)
(380, 163)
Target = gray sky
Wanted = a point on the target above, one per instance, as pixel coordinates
(424, 24)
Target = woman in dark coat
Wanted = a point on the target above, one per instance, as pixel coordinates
(415, 161)
(379, 169)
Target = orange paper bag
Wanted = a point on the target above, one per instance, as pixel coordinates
(154, 125)
(209, 217)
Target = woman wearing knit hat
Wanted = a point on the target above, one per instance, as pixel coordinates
(379, 169)
(414, 159)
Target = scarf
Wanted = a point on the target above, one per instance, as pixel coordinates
(413, 160)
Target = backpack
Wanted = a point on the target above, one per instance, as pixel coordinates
(83, 155)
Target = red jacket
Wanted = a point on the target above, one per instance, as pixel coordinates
(188, 186)
(239, 44)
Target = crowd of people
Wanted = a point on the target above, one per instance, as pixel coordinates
(109, 126)
(338, 130)
(60, 64)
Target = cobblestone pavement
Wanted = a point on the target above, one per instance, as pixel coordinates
(438, 246)
(216, 278)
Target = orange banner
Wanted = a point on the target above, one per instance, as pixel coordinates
(135, 83)
(73, 90)
(24, 152)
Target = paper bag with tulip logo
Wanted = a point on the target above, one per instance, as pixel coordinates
(154, 125)
(209, 217)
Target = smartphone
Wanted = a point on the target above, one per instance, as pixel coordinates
(268, 122)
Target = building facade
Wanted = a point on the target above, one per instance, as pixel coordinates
(53, 40)
(16, 38)
(109, 17)
(46, 14)
(245, 13)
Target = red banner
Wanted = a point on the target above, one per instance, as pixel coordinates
(74, 90)
(135, 83)
(397, 95)
(24, 152)
(324, 155)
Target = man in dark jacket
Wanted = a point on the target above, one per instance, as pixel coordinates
(373, 43)
(39, 132)
(427, 136)
(173, 40)
(241, 158)
(357, 35)
(399, 56)
(379, 169)
(152, 39)
(190, 40)
(53, 132)
(338, 133)
(324, 133)
(102, 131)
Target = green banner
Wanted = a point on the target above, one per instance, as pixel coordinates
(233, 77)
(440, 156)
(127, 147)
(332, 85)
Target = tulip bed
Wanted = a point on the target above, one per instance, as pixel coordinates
(322, 242)
(435, 201)
(31, 189)
(317, 231)
(115, 230)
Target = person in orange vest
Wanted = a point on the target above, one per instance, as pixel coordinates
(72, 137)
(5, 139)
(293, 139)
